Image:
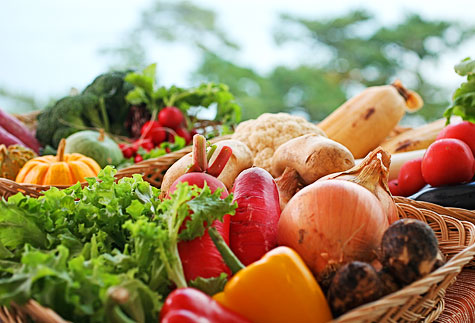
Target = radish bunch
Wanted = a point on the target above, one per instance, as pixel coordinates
(170, 123)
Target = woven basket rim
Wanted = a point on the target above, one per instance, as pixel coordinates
(454, 265)
(8, 185)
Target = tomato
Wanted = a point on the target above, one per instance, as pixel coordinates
(138, 158)
(448, 161)
(170, 117)
(464, 131)
(410, 178)
(394, 188)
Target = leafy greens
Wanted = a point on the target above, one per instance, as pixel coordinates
(464, 97)
(205, 95)
(106, 252)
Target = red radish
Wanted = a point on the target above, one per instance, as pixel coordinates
(448, 161)
(410, 180)
(464, 131)
(128, 152)
(145, 143)
(148, 126)
(158, 135)
(253, 229)
(182, 132)
(170, 117)
(199, 257)
(19, 130)
(193, 132)
(8, 139)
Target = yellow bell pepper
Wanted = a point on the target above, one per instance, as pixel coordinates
(277, 288)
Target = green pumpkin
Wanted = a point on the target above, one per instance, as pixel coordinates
(95, 145)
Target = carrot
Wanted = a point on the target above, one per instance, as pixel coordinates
(253, 229)
(8, 139)
(19, 130)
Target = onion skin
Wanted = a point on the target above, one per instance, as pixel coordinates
(372, 173)
(330, 223)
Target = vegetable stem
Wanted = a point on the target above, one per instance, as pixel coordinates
(220, 162)
(60, 154)
(229, 257)
(105, 118)
(200, 160)
(211, 151)
(101, 135)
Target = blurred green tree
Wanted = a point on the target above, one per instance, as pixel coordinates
(169, 22)
(353, 51)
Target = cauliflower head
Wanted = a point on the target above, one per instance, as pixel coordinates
(270, 130)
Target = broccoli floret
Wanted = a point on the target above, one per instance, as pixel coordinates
(113, 89)
(67, 116)
(102, 104)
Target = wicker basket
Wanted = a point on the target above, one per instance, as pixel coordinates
(151, 169)
(422, 301)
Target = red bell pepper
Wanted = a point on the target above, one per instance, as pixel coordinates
(189, 305)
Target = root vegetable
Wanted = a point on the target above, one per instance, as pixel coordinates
(253, 229)
(355, 284)
(199, 257)
(311, 157)
(19, 130)
(8, 139)
(240, 159)
(330, 223)
(372, 173)
(409, 250)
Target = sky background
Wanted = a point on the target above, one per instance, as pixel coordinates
(49, 46)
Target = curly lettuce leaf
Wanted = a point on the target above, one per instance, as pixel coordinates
(73, 249)
(463, 100)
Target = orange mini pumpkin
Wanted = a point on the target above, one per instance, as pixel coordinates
(62, 169)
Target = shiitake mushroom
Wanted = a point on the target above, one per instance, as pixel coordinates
(409, 250)
(354, 284)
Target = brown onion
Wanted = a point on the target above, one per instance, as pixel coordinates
(330, 223)
(373, 173)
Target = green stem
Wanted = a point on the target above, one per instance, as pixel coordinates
(229, 257)
(178, 275)
(121, 317)
(211, 151)
(105, 118)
